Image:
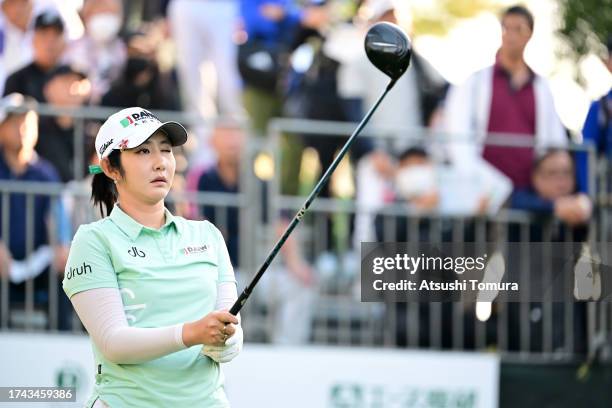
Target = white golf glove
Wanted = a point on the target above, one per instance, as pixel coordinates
(226, 353)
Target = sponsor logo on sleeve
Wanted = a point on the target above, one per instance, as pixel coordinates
(78, 271)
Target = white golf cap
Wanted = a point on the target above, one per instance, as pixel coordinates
(130, 127)
(15, 103)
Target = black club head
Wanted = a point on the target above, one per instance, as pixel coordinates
(389, 49)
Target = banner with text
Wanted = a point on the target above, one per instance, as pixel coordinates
(273, 376)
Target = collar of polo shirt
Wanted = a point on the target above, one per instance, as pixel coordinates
(132, 228)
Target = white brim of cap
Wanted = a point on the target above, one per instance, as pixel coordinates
(175, 131)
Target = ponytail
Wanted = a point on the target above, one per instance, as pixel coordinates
(103, 190)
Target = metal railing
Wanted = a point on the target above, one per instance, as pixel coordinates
(547, 330)
(29, 313)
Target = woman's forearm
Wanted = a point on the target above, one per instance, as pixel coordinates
(102, 314)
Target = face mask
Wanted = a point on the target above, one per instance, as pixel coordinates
(414, 181)
(135, 65)
(103, 27)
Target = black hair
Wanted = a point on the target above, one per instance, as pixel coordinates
(103, 190)
(522, 11)
(537, 163)
(415, 151)
(609, 44)
(49, 19)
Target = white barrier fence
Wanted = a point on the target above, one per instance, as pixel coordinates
(268, 376)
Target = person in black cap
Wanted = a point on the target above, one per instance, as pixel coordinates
(141, 82)
(48, 44)
(67, 88)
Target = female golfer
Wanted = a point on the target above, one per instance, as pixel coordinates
(149, 287)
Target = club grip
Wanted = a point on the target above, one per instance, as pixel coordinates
(239, 303)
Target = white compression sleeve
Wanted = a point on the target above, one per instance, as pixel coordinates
(227, 294)
(101, 311)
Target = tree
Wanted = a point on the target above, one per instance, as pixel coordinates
(437, 18)
(585, 26)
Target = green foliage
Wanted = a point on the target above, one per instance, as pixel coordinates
(467, 8)
(585, 25)
(440, 16)
(432, 25)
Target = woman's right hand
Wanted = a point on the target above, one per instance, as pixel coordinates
(213, 329)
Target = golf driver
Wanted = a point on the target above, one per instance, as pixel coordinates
(388, 49)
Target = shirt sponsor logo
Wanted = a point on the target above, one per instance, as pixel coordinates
(135, 252)
(78, 271)
(197, 249)
(105, 146)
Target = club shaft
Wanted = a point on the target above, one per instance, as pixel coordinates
(300, 214)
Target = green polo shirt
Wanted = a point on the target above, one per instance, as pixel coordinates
(165, 277)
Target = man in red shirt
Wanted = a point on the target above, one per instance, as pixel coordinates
(507, 102)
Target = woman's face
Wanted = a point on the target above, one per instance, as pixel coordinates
(148, 170)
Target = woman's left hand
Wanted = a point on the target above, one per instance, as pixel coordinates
(213, 329)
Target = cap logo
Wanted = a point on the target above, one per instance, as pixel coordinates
(126, 122)
(137, 118)
(105, 146)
